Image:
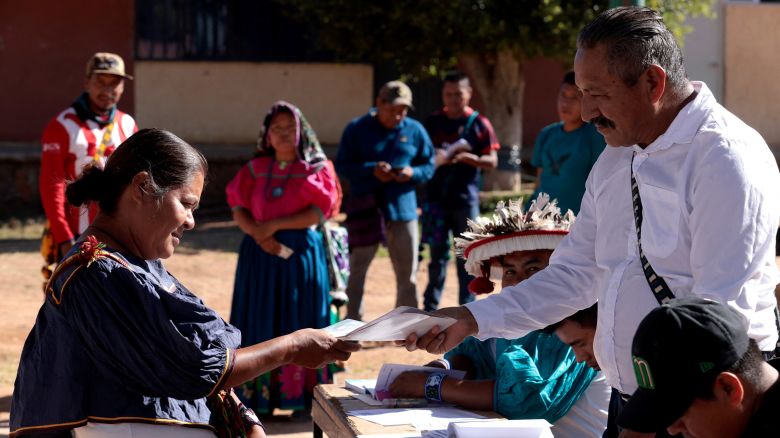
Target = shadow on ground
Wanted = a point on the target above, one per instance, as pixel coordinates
(283, 425)
(20, 245)
(212, 234)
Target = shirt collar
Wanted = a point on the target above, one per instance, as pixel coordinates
(687, 122)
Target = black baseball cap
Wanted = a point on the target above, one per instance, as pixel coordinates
(678, 351)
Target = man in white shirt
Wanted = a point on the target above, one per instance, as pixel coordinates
(707, 184)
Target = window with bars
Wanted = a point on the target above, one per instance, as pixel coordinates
(229, 30)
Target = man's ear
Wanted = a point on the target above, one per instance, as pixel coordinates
(654, 81)
(139, 187)
(729, 388)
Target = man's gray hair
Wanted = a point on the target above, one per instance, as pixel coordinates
(635, 38)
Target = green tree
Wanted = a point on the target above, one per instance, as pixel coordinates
(488, 39)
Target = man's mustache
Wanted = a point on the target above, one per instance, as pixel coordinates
(602, 122)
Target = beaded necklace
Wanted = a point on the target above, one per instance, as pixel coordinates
(274, 193)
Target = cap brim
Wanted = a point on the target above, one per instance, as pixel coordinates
(649, 412)
(403, 102)
(109, 72)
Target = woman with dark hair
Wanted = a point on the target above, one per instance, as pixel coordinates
(120, 347)
(282, 278)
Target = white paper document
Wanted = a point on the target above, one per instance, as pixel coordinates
(361, 386)
(440, 417)
(395, 325)
(493, 428)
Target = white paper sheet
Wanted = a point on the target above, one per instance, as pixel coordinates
(367, 399)
(344, 327)
(434, 418)
(395, 325)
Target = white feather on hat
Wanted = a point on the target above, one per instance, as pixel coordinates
(511, 229)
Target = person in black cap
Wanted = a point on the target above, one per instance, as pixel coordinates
(700, 375)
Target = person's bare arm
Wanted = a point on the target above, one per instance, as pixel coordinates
(486, 161)
(297, 221)
(309, 348)
(245, 221)
(471, 394)
(263, 230)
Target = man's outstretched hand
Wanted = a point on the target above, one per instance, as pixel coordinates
(439, 342)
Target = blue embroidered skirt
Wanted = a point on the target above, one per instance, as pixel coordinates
(273, 297)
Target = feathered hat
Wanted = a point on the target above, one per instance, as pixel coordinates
(510, 230)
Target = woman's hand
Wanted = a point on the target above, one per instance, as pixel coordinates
(410, 384)
(263, 230)
(312, 348)
(271, 246)
(255, 431)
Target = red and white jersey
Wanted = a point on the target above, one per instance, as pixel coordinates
(69, 144)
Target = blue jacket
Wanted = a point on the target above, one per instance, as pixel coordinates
(365, 142)
(120, 340)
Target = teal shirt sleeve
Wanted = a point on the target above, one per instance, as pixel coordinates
(480, 354)
(538, 377)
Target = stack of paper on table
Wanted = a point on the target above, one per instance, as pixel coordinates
(395, 325)
(501, 429)
(421, 418)
(361, 386)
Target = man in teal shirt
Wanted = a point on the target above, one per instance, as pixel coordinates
(565, 151)
(384, 155)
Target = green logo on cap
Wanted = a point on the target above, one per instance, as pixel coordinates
(706, 366)
(644, 378)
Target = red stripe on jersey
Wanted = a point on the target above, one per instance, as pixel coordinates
(90, 137)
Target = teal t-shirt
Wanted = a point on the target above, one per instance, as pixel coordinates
(566, 159)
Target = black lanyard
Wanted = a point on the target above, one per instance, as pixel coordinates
(657, 283)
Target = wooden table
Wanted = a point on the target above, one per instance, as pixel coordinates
(328, 413)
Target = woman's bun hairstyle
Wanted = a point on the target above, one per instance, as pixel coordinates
(87, 188)
(169, 161)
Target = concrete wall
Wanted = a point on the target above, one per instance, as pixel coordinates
(44, 48)
(752, 64)
(703, 51)
(225, 102)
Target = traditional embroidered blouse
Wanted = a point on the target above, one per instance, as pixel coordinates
(270, 192)
(120, 340)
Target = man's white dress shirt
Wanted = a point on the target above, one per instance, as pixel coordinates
(710, 190)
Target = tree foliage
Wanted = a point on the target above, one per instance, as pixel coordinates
(425, 37)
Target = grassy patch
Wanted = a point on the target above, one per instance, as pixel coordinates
(488, 200)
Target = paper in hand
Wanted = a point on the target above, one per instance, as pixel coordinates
(285, 251)
(395, 325)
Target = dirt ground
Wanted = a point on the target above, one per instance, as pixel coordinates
(205, 263)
